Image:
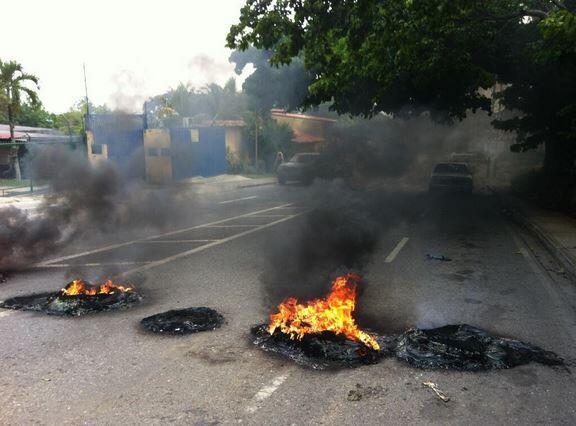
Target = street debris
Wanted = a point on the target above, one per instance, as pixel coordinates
(366, 392)
(439, 257)
(437, 391)
(77, 298)
(183, 321)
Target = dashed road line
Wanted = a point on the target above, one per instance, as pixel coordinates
(265, 393)
(68, 265)
(238, 199)
(176, 241)
(231, 226)
(390, 258)
(205, 247)
(153, 237)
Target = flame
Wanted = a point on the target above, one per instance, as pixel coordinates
(331, 314)
(78, 287)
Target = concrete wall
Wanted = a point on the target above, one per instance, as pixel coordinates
(95, 153)
(157, 155)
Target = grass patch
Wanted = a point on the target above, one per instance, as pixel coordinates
(13, 183)
(258, 176)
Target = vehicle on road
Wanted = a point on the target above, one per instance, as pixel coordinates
(301, 168)
(451, 177)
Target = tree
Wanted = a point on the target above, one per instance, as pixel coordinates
(71, 122)
(12, 85)
(406, 56)
(211, 102)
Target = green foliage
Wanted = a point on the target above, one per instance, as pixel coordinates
(211, 102)
(272, 138)
(35, 115)
(72, 121)
(15, 85)
(403, 57)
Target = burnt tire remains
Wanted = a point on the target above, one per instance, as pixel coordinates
(321, 351)
(183, 321)
(63, 305)
(455, 347)
(463, 347)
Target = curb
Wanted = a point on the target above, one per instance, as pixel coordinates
(251, 185)
(548, 241)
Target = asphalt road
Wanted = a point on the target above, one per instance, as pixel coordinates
(103, 369)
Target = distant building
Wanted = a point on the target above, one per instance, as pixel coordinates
(310, 131)
(185, 149)
(9, 153)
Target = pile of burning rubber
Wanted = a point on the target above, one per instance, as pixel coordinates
(183, 321)
(322, 333)
(77, 298)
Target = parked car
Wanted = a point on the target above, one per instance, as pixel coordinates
(451, 177)
(301, 168)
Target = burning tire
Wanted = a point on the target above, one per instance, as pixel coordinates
(322, 351)
(77, 298)
(183, 321)
(322, 333)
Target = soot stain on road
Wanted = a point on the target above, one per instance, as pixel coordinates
(452, 347)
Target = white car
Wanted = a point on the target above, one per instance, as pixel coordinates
(451, 177)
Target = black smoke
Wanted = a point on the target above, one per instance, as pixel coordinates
(84, 200)
(372, 180)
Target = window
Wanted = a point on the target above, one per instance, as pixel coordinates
(165, 152)
(152, 152)
(97, 149)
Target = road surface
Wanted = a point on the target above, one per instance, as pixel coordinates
(103, 369)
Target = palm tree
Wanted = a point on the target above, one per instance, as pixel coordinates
(12, 85)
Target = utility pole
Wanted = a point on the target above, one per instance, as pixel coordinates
(86, 90)
(256, 146)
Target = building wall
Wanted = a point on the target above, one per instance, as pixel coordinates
(304, 125)
(95, 153)
(157, 155)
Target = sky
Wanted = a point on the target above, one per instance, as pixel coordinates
(132, 49)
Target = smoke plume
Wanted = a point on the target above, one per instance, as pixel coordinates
(347, 222)
(84, 200)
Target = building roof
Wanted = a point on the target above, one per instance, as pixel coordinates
(223, 123)
(301, 137)
(281, 113)
(5, 135)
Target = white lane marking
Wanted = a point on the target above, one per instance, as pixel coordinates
(153, 237)
(4, 314)
(67, 265)
(175, 241)
(265, 393)
(390, 258)
(238, 199)
(231, 226)
(269, 215)
(204, 247)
